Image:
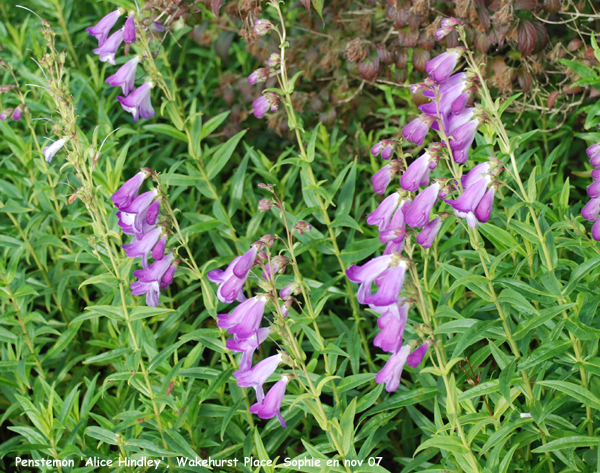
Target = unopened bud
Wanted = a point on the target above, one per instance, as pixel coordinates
(262, 26)
(274, 60)
(268, 240)
(265, 204)
(302, 227)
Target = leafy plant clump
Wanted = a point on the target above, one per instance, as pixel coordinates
(301, 236)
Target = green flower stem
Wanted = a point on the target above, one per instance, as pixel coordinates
(287, 101)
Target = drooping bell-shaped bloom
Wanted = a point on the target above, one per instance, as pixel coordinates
(417, 216)
(247, 346)
(483, 211)
(392, 324)
(427, 236)
(103, 27)
(141, 247)
(17, 114)
(138, 102)
(262, 104)
(469, 199)
(441, 67)
(129, 30)
(387, 272)
(448, 25)
(382, 216)
(271, 405)
(392, 371)
(416, 357)
(245, 319)
(139, 207)
(475, 174)
(259, 75)
(159, 249)
(125, 76)
(51, 150)
(231, 281)
(108, 50)
(417, 173)
(461, 140)
(150, 279)
(152, 212)
(593, 153)
(258, 375)
(128, 191)
(167, 278)
(591, 209)
(382, 178)
(416, 130)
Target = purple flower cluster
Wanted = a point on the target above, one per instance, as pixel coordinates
(244, 324)
(136, 100)
(139, 215)
(591, 210)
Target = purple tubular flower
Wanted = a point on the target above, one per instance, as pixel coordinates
(591, 209)
(416, 357)
(392, 323)
(415, 173)
(382, 216)
(6, 114)
(474, 175)
(595, 173)
(258, 375)
(596, 230)
(593, 189)
(103, 27)
(125, 76)
(261, 106)
(247, 346)
(159, 249)
(429, 232)
(141, 247)
(245, 319)
(418, 214)
(382, 178)
(387, 152)
(461, 140)
(139, 207)
(108, 50)
(393, 247)
(271, 405)
(469, 199)
(392, 371)
(230, 282)
(376, 149)
(387, 272)
(483, 211)
(50, 151)
(128, 191)
(152, 212)
(416, 130)
(150, 280)
(593, 153)
(259, 75)
(138, 102)
(167, 278)
(439, 68)
(396, 236)
(17, 114)
(129, 30)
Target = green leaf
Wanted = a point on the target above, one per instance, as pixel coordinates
(516, 300)
(547, 351)
(360, 250)
(505, 380)
(444, 442)
(347, 425)
(578, 273)
(212, 124)
(168, 130)
(473, 335)
(573, 390)
(575, 441)
(222, 155)
(101, 434)
(346, 198)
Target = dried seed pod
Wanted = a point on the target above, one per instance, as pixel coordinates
(425, 42)
(401, 57)
(525, 80)
(407, 37)
(574, 45)
(551, 6)
(570, 89)
(527, 37)
(386, 56)
(452, 39)
(482, 44)
(369, 67)
(355, 50)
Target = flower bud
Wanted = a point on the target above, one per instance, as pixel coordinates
(268, 240)
(302, 227)
(274, 60)
(259, 75)
(262, 26)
